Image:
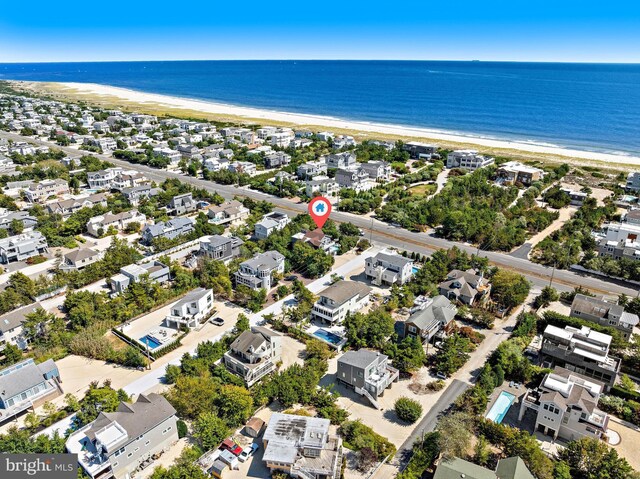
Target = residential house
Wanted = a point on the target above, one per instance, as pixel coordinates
(169, 154)
(254, 354)
(169, 230)
(232, 212)
(22, 247)
(340, 299)
(182, 204)
(583, 351)
(513, 172)
(633, 181)
(136, 193)
(388, 268)
(468, 159)
(191, 310)
(27, 385)
(378, 171)
(604, 313)
(355, 179)
(431, 319)
(343, 141)
(317, 239)
(616, 232)
(632, 216)
(302, 447)
(322, 185)
(456, 468)
(117, 443)
(420, 151)
(276, 159)
(132, 273)
(257, 272)
(312, 169)
(577, 197)
(79, 259)
(325, 135)
(345, 160)
(114, 179)
(566, 406)
(465, 286)
(624, 248)
(8, 217)
(99, 225)
(66, 208)
(11, 327)
(241, 167)
(367, 372)
(269, 223)
(38, 192)
(220, 248)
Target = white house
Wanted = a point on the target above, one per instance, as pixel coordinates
(339, 299)
(191, 309)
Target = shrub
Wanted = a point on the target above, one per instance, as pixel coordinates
(357, 436)
(408, 410)
(182, 428)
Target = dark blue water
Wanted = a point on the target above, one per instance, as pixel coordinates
(585, 106)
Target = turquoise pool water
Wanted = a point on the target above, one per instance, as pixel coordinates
(150, 341)
(499, 409)
(327, 336)
(415, 269)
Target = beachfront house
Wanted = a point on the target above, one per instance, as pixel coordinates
(468, 159)
(38, 192)
(11, 326)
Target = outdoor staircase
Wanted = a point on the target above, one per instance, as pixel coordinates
(366, 394)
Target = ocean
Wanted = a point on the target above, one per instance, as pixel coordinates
(592, 107)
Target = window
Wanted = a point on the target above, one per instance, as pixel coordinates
(130, 454)
(147, 443)
(546, 407)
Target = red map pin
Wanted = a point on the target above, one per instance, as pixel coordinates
(319, 209)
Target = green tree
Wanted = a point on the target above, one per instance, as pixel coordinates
(12, 354)
(407, 409)
(509, 289)
(210, 430)
(590, 458)
(455, 430)
(234, 404)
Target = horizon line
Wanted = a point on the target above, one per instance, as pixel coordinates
(592, 62)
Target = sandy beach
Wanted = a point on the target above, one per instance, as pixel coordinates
(150, 102)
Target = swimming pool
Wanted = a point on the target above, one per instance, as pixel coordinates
(327, 336)
(499, 409)
(152, 342)
(414, 269)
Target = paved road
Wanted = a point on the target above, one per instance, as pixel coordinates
(422, 243)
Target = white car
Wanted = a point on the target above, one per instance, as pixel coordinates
(248, 452)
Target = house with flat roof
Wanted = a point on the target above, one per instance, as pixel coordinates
(79, 259)
(468, 159)
(100, 225)
(465, 286)
(11, 327)
(230, 212)
(583, 351)
(604, 313)
(269, 223)
(303, 447)
(254, 354)
(22, 247)
(513, 172)
(340, 299)
(419, 151)
(367, 372)
(27, 385)
(132, 273)
(566, 406)
(169, 230)
(456, 468)
(432, 319)
(221, 248)
(192, 309)
(117, 443)
(257, 272)
(388, 268)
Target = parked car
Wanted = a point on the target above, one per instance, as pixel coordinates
(441, 375)
(218, 321)
(291, 277)
(231, 446)
(248, 451)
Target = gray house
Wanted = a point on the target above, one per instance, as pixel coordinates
(257, 272)
(604, 313)
(169, 230)
(80, 258)
(137, 193)
(132, 273)
(23, 246)
(182, 204)
(27, 385)
(388, 268)
(254, 354)
(11, 328)
(220, 247)
(28, 221)
(431, 320)
(116, 443)
(465, 286)
(368, 372)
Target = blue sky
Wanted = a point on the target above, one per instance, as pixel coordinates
(540, 30)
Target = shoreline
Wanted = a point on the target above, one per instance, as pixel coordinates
(110, 95)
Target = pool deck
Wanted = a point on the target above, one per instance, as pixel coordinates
(511, 418)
